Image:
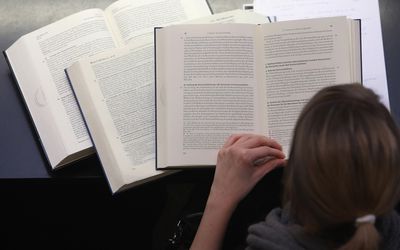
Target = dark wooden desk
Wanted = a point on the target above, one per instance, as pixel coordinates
(73, 207)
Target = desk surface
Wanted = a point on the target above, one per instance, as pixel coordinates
(21, 153)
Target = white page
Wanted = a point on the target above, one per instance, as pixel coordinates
(373, 61)
(115, 92)
(135, 20)
(300, 58)
(38, 60)
(211, 99)
(235, 16)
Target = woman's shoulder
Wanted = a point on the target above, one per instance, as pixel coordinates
(278, 232)
(270, 233)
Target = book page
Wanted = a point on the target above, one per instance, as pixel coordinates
(41, 77)
(373, 63)
(301, 57)
(135, 20)
(233, 16)
(206, 91)
(116, 94)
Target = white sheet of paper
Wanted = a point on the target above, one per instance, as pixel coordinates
(373, 61)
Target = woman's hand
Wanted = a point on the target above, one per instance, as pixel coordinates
(242, 162)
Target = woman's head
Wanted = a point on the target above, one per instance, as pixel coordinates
(344, 161)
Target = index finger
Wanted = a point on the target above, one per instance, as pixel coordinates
(231, 140)
(260, 140)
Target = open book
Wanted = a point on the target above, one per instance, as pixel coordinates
(115, 91)
(39, 58)
(216, 80)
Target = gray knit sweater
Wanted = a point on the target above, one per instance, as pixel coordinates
(278, 232)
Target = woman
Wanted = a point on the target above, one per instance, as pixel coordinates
(342, 178)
